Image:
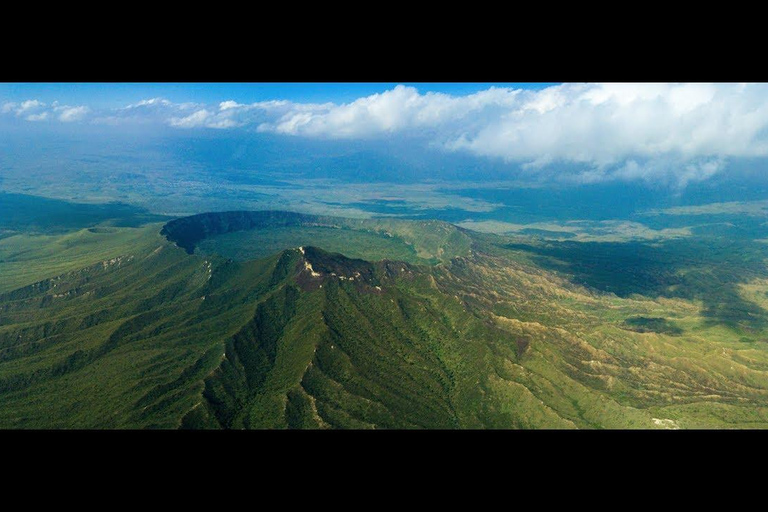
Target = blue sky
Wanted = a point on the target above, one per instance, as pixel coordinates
(113, 95)
(588, 132)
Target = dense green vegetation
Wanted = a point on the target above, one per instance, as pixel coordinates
(262, 242)
(26, 258)
(187, 232)
(652, 324)
(243, 233)
(343, 323)
(32, 214)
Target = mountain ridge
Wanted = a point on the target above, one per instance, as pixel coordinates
(152, 336)
(433, 240)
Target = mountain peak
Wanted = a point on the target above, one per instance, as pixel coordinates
(317, 267)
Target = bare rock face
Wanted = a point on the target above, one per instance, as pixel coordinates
(316, 267)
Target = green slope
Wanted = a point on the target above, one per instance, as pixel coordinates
(132, 331)
(247, 235)
(25, 213)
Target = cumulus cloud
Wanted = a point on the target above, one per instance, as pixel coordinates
(26, 109)
(605, 124)
(29, 105)
(204, 118)
(678, 133)
(35, 110)
(42, 116)
(400, 110)
(193, 120)
(596, 123)
(157, 111)
(226, 105)
(682, 132)
(674, 171)
(231, 114)
(69, 114)
(149, 102)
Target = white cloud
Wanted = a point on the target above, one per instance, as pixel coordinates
(193, 120)
(681, 132)
(35, 110)
(223, 123)
(671, 132)
(225, 105)
(69, 114)
(42, 116)
(605, 124)
(673, 171)
(28, 105)
(231, 114)
(150, 102)
(30, 109)
(226, 115)
(401, 109)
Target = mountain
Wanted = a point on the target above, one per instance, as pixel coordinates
(285, 320)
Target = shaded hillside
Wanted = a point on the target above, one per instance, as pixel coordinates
(431, 241)
(187, 232)
(24, 213)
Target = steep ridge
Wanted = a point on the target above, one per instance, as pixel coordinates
(156, 337)
(333, 347)
(123, 342)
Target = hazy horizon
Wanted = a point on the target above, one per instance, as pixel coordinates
(515, 153)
